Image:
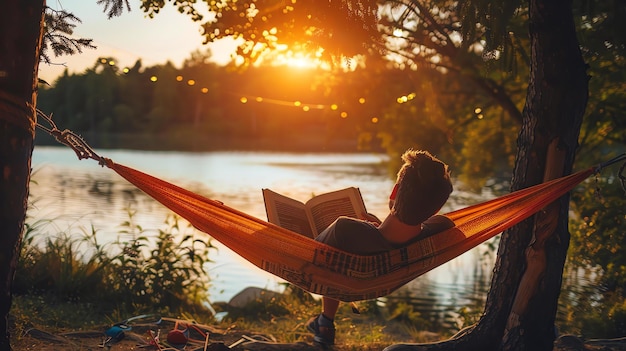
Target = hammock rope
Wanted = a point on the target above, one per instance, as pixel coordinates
(13, 109)
(325, 270)
(70, 139)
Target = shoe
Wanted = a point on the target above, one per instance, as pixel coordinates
(323, 335)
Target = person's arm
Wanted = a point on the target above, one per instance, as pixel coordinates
(371, 218)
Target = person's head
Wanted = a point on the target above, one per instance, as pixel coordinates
(422, 187)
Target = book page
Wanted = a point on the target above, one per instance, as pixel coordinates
(287, 213)
(326, 208)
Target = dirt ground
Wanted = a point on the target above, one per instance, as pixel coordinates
(154, 337)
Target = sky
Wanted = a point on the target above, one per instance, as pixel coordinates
(168, 36)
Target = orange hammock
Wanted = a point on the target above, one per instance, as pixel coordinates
(322, 269)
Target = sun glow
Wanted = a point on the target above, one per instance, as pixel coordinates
(284, 56)
(301, 62)
(297, 60)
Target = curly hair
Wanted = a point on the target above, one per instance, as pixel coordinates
(423, 187)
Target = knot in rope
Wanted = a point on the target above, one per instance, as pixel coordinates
(73, 140)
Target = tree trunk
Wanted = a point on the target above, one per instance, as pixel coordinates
(522, 302)
(21, 26)
(555, 105)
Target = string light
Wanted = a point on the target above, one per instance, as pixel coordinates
(244, 99)
(305, 107)
(406, 98)
(478, 112)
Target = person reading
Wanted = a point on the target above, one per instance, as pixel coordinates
(422, 187)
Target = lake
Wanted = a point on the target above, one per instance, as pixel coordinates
(82, 194)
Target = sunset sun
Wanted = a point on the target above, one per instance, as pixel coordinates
(299, 61)
(284, 56)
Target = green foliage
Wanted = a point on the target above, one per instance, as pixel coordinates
(114, 7)
(477, 167)
(599, 231)
(58, 30)
(617, 315)
(307, 24)
(597, 245)
(45, 310)
(469, 316)
(594, 314)
(406, 313)
(142, 273)
(62, 265)
(160, 271)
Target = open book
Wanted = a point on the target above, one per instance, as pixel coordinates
(315, 215)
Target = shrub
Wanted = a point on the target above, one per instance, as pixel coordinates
(152, 273)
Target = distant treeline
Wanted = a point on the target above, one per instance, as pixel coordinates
(202, 106)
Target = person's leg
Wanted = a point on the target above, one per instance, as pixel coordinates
(323, 325)
(329, 307)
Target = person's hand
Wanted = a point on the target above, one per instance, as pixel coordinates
(371, 218)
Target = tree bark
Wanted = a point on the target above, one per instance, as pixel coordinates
(21, 28)
(555, 105)
(521, 305)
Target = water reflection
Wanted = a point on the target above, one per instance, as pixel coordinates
(81, 193)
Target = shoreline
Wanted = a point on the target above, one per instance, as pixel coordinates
(197, 142)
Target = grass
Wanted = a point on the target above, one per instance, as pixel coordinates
(283, 319)
(70, 282)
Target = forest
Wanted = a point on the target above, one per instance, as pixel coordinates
(203, 106)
